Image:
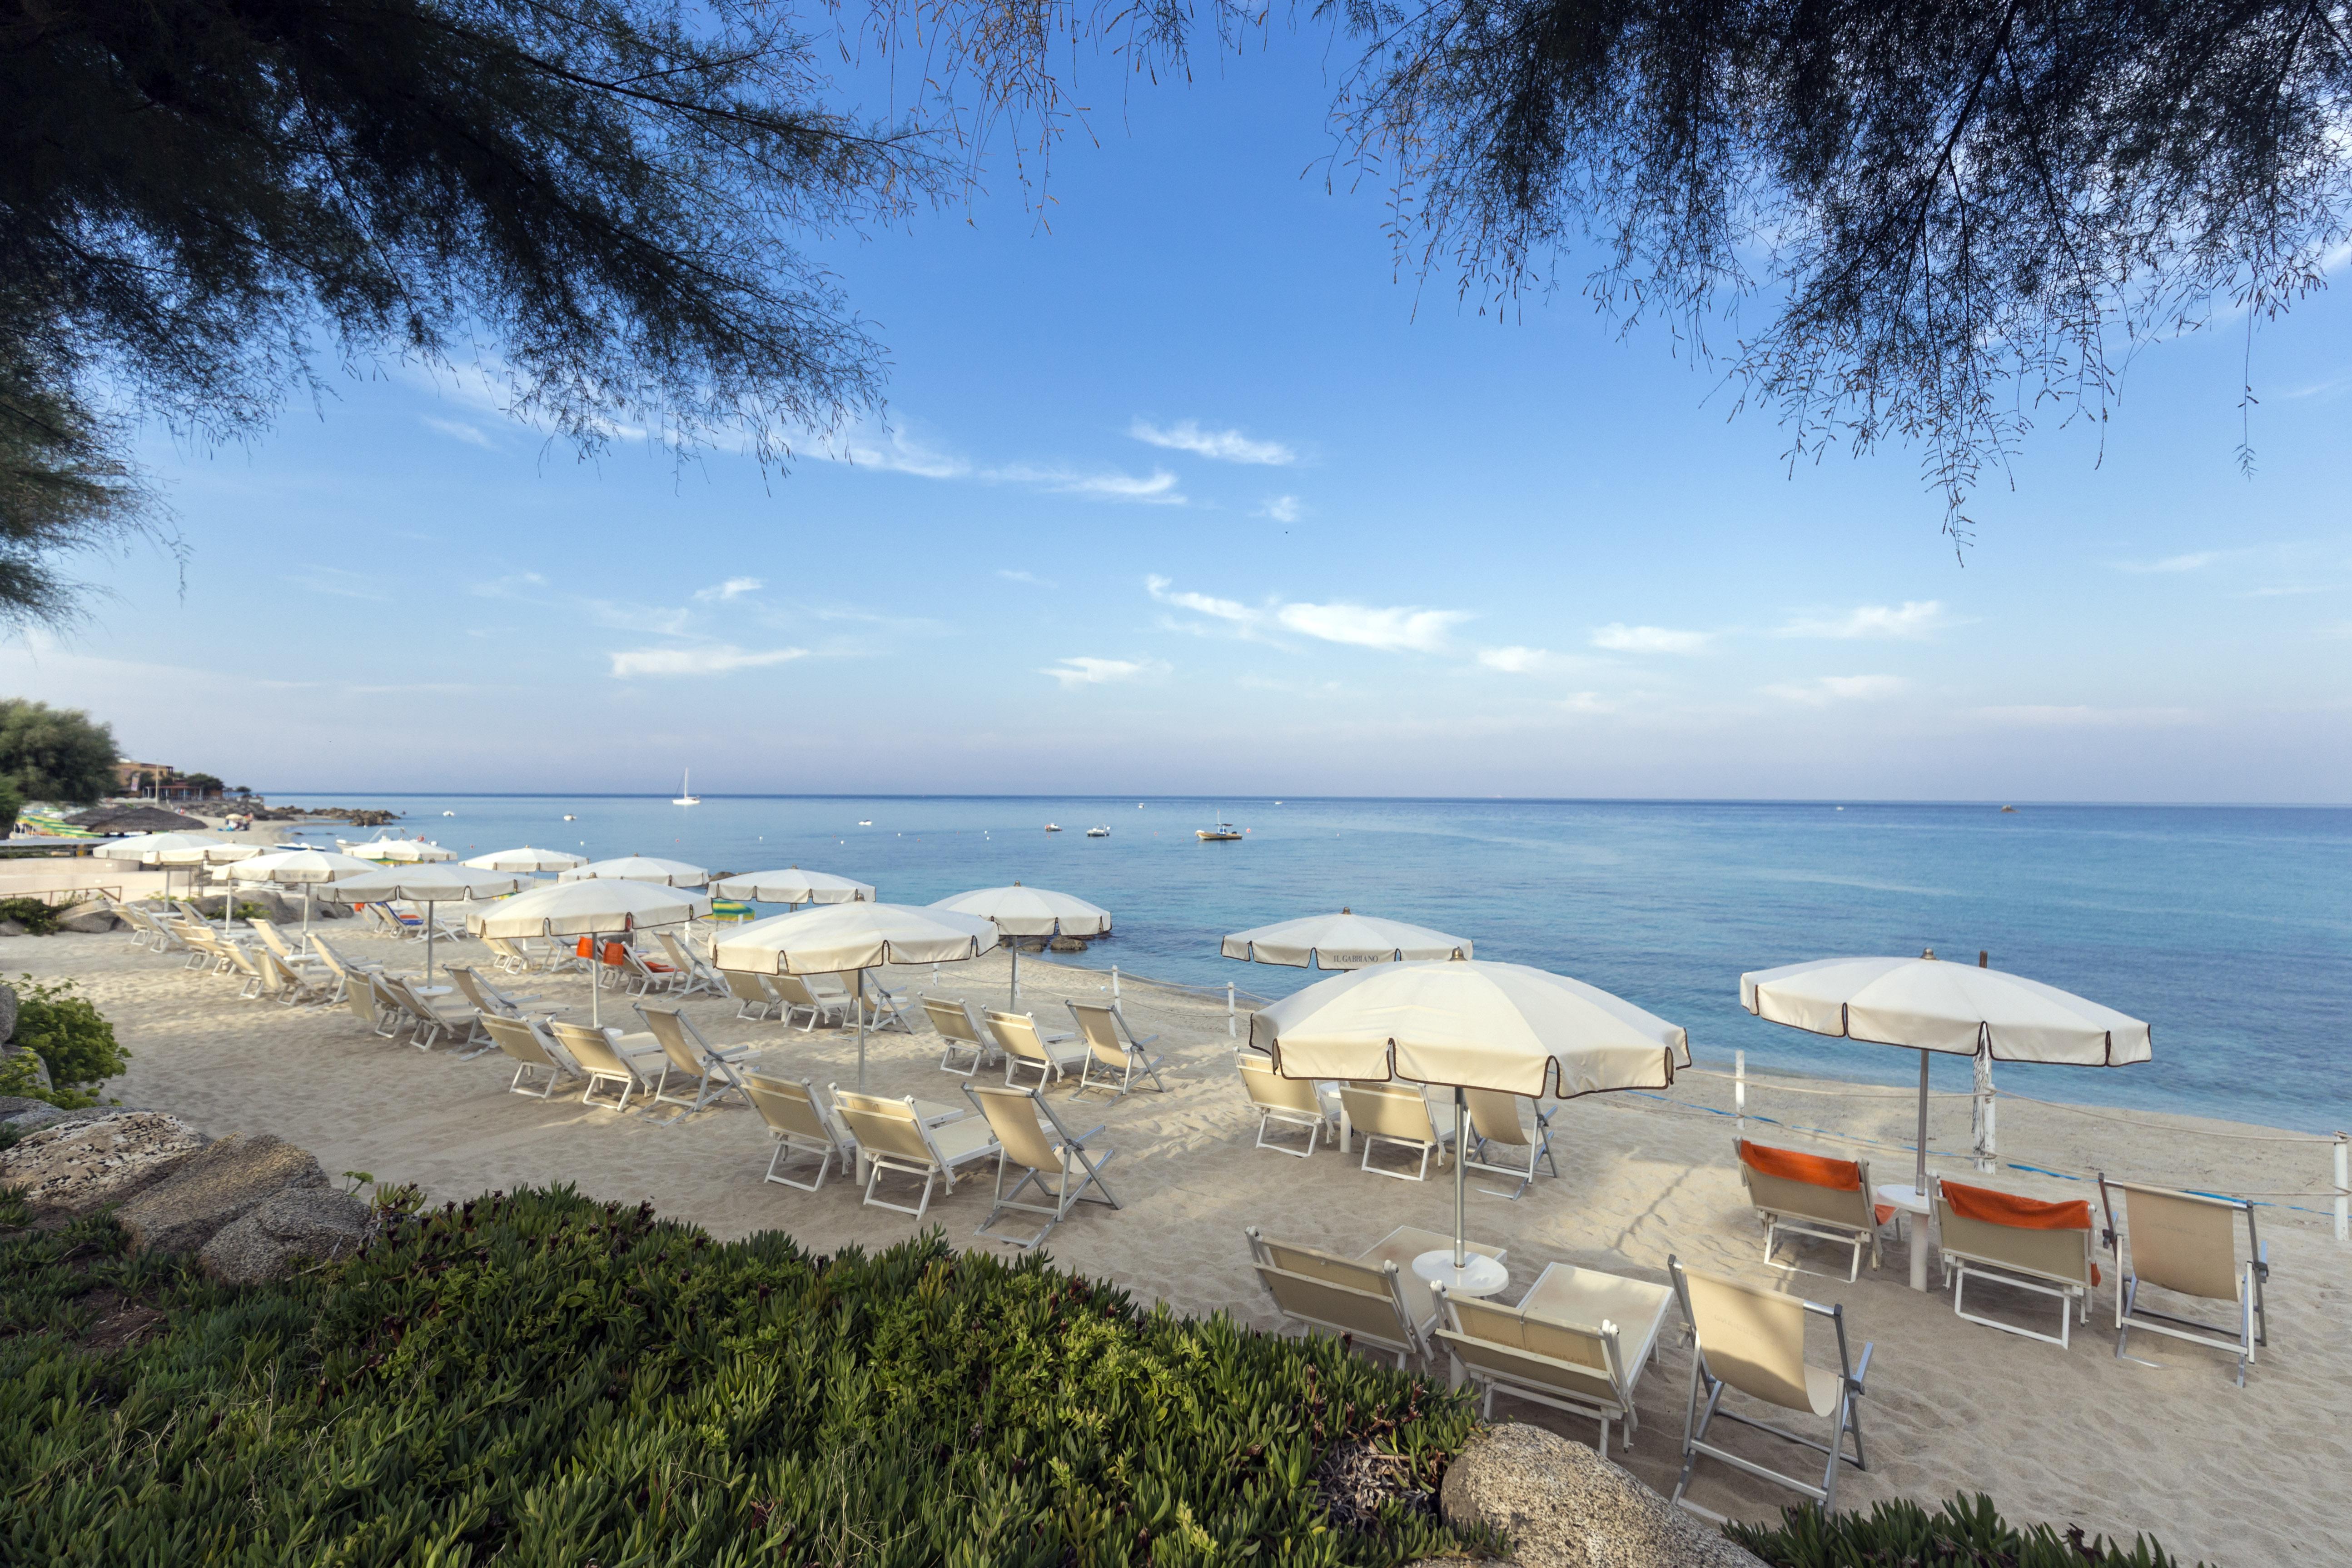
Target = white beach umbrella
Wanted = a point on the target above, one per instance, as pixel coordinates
(426, 885)
(400, 851)
(170, 850)
(304, 869)
(795, 887)
(591, 909)
(637, 868)
(1019, 911)
(1344, 941)
(1470, 1024)
(1954, 1009)
(834, 939)
(526, 859)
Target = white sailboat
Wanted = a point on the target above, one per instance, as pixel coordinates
(685, 796)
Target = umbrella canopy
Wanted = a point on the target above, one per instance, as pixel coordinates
(1017, 911)
(1955, 1009)
(1344, 941)
(794, 885)
(403, 851)
(426, 885)
(831, 937)
(588, 909)
(163, 849)
(638, 868)
(1473, 1025)
(526, 859)
(304, 869)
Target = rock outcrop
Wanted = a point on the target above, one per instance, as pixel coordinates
(316, 1223)
(7, 1013)
(78, 1166)
(226, 1181)
(91, 917)
(1564, 1506)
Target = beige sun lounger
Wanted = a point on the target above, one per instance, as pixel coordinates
(692, 1059)
(253, 981)
(801, 1123)
(429, 1017)
(2045, 1260)
(370, 1006)
(634, 1062)
(643, 975)
(1115, 1057)
(755, 999)
(2186, 1243)
(486, 998)
(534, 1050)
(1029, 1049)
(1577, 1341)
(1502, 1143)
(346, 972)
(1400, 1114)
(294, 986)
(1839, 1209)
(146, 930)
(892, 1137)
(695, 971)
(1375, 1296)
(966, 1046)
(801, 996)
(1753, 1341)
(1292, 1101)
(1060, 1165)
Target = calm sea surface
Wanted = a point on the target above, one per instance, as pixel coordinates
(2230, 928)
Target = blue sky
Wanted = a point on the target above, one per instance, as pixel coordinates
(1185, 486)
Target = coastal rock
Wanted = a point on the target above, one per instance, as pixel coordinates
(227, 1180)
(8, 1012)
(93, 918)
(1066, 944)
(300, 1221)
(1564, 1506)
(77, 1166)
(32, 1121)
(10, 1104)
(10, 928)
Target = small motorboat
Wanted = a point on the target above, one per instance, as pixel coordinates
(1053, 827)
(1222, 833)
(453, 814)
(865, 822)
(2009, 809)
(568, 817)
(1099, 833)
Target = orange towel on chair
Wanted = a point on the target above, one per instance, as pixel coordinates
(1988, 1207)
(1813, 1170)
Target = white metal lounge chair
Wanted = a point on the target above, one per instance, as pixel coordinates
(1375, 1296)
(534, 1050)
(754, 997)
(893, 1138)
(2021, 1243)
(634, 1062)
(370, 1006)
(1400, 1114)
(799, 997)
(291, 986)
(692, 1059)
(1579, 1340)
(800, 1124)
(1058, 1163)
(696, 973)
(1292, 1101)
(429, 1017)
(1029, 1049)
(1797, 1193)
(966, 1046)
(2187, 1243)
(1501, 1143)
(1115, 1057)
(1753, 1341)
(642, 974)
(346, 972)
(256, 983)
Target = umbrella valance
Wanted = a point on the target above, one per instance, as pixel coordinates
(526, 859)
(1344, 941)
(402, 851)
(833, 938)
(1017, 911)
(638, 868)
(1956, 1009)
(588, 909)
(794, 885)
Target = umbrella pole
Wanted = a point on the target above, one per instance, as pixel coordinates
(1013, 1001)
(595, 984)
(861, 1031)
(1920, 1179)
(1461, 1242)
(428, 941)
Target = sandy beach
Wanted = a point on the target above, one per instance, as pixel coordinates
(2074, 1436)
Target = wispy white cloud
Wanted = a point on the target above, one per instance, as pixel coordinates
(658, 619)
(458, 430)
(1158, 487)
(2034, 716)
(1086, 671)
(1400, 628)
(1029, 577)
(1618, 638)
(891, 450)
(1832, 689)
(733, 588)
(1223, 446)
(1232, 610)
(1281, 508)
(1513, 661)
(1913, 619)
(2195, 562)
(711, 659)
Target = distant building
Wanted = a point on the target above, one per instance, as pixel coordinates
(161, 781)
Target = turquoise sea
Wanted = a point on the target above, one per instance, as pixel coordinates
(2230, 928)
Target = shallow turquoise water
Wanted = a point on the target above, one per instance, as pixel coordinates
(2230, 928)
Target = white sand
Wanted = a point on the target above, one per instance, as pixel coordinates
(2074, 1436)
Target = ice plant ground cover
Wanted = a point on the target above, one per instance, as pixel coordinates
(540, 1378)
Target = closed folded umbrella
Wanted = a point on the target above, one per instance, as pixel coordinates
(1470, 1024)
(1953, 1009)
(591, 909)
(795, 887)
(836, 939)
(638, 868)
(1344, 941)
(526, 859)
(426, 885)
(1020, 911)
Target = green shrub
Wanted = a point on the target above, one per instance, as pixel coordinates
(1966, 1532)
(72, 1039)
(39, 917)
(541, 1379)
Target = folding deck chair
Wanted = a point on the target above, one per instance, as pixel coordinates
(2186, 1243)
(1113, 1051)
(691, 1057)
(1058, 1162)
